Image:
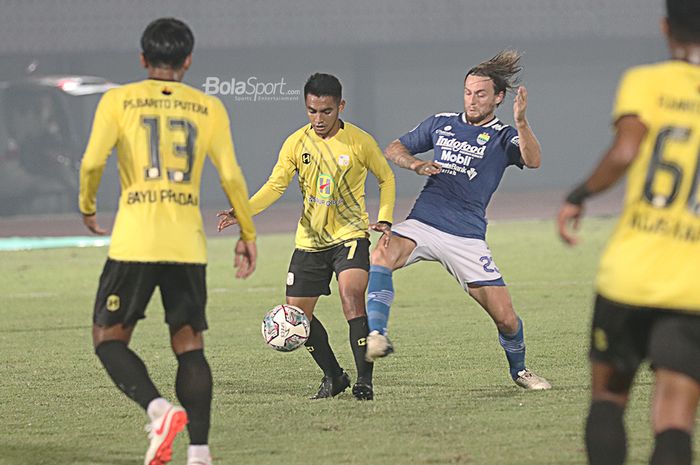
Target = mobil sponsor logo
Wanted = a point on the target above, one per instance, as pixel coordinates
(461, 146)
(448, 156)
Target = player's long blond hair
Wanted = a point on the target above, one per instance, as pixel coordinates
(503, 70)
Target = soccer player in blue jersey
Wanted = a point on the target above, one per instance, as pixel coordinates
(448, 221)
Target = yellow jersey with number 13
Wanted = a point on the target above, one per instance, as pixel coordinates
(162, 131)
(653, 257)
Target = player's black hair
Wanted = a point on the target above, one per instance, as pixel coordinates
(684, 20)
(166, 43)
(321, 84)
(502, 69)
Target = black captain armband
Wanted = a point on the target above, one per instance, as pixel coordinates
(578, 195)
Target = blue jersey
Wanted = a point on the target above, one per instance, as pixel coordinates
(473, 160)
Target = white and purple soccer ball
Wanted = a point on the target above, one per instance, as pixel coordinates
(285, 328)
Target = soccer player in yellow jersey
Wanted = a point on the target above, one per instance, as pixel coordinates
(331, 158)
(648, 302)
(162, 129)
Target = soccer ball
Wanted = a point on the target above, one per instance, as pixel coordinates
(285, 328)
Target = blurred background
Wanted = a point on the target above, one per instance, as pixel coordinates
(399, 62)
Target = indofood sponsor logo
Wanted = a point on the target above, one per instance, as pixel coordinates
(251, 89)
(460, 146)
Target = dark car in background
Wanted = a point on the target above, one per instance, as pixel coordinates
(44, 122)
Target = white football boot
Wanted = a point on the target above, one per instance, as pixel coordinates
(162, 431)
(528, 380)
(378, 345)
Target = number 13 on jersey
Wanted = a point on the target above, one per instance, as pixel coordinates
(186, 151)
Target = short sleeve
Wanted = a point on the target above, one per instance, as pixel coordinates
(512, 148)
(420, 138)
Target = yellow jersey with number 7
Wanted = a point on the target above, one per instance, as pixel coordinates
(162, 131)
(653, 257)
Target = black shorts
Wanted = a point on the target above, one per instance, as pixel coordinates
(624, 336)
(310, 273)
(126, 287)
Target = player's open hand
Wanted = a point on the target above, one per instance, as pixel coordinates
(90, 222)
(384, 228)
(246, 256)
(520, 105)
(569, 221)
(426, 168)
(226, 219)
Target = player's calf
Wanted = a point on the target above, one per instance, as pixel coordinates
(380, 296)
(673, 446)
(606, 441)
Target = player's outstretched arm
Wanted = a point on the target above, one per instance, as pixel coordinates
(226, 218)
(246, 257)
(268, 194)
(90, 222)
(530, 150)
(384, 228)
(400, 155)
(379, 167)
(223, 156)
(630, 132)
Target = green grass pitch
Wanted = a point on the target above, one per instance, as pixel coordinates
(443, 398)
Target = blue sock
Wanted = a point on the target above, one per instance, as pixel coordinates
(380, 295)
(514, 345)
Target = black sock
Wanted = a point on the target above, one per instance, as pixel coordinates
(673, 447)
(193, 386)
(358, 342)
(317, 344)
(606, 442)
(127, 371)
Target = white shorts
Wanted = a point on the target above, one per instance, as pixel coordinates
(468, 260)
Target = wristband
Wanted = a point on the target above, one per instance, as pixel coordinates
(578, 195)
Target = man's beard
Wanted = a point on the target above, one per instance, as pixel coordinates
(481, 117)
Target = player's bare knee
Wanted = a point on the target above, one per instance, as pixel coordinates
(381, 256)
(610, 384)
(508, 325)
(185, 339)
(101, 334)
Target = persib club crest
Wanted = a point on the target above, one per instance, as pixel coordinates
(482, 138)
(324, 186)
